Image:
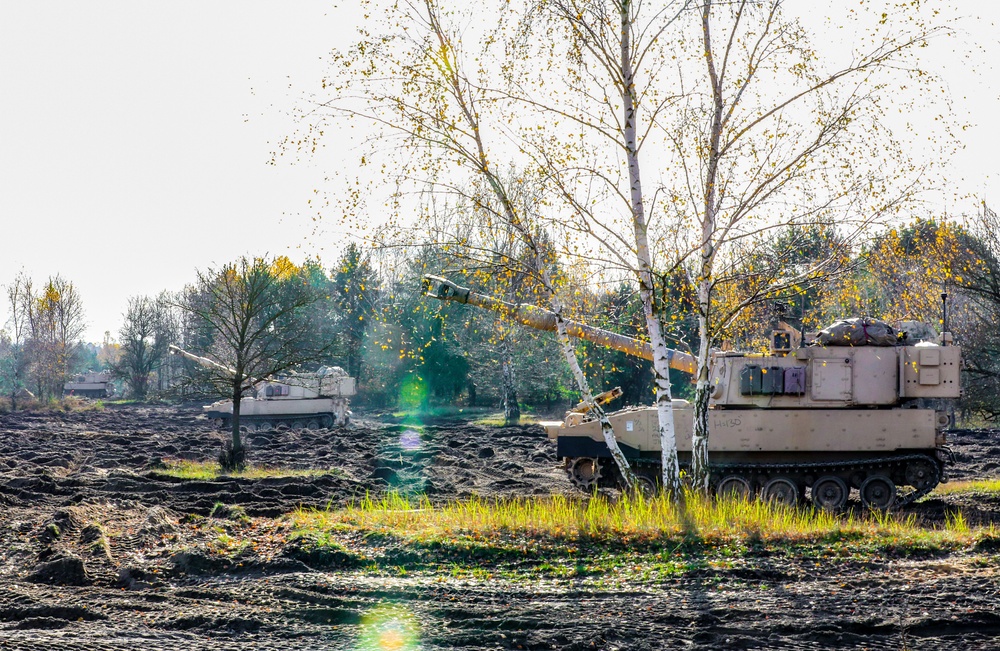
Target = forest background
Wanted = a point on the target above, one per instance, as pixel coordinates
(369, 317)
(410, 351)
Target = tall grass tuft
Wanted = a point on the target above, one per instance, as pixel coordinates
(955, 521)
(695, 517)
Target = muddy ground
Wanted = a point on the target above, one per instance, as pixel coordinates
(101, 550)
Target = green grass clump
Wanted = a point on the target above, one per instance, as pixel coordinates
(990, 486)
(608, 542)
(696, 519)
(208, 470)
(497, 420)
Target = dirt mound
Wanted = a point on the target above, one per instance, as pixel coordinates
(116, 454)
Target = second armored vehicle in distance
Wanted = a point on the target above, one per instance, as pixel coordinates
(92, 384)
(299, 400)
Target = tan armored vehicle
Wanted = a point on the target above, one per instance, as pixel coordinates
(836, 415)
(300, 400)
(92, 384)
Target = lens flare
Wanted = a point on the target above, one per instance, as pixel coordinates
(413, 393)
(409, 439)
(389, 627)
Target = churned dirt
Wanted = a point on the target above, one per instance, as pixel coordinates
(99, 549)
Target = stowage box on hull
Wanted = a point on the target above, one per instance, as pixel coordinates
(771, 430)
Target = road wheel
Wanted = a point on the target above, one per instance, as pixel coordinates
(733, 487)
(830, 493)
(877, 492)
(781, 490)
(922, 474)
(646, 486)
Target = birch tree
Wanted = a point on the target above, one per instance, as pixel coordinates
(771, 134)
(615, 90)
(418, 85)
(752, 132)
(56, 324)
(46, 325)
(20, 294)
(467, 139)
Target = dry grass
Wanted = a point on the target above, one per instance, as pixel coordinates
(207, 470)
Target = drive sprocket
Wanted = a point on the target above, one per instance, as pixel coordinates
(584, 472)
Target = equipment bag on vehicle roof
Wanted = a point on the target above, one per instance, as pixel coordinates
(858, 331)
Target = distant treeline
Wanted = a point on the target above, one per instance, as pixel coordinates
(366, 314)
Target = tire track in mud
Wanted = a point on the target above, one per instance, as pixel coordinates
(64, 458)
(320, 610)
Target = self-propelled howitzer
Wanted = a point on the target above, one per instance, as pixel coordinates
(309, 400)
(849, 411)
(92, 384)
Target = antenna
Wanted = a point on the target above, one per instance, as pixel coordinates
(944, 316)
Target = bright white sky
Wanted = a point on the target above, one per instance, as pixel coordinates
(135, 137)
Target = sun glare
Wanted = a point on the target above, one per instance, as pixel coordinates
(389, 627)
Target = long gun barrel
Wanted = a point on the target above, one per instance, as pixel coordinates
(541, 319)
(204, 361)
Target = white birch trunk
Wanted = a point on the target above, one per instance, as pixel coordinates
(511, 215)
(508, 386)
(661, 360)
(588, 397)
(700, 473)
